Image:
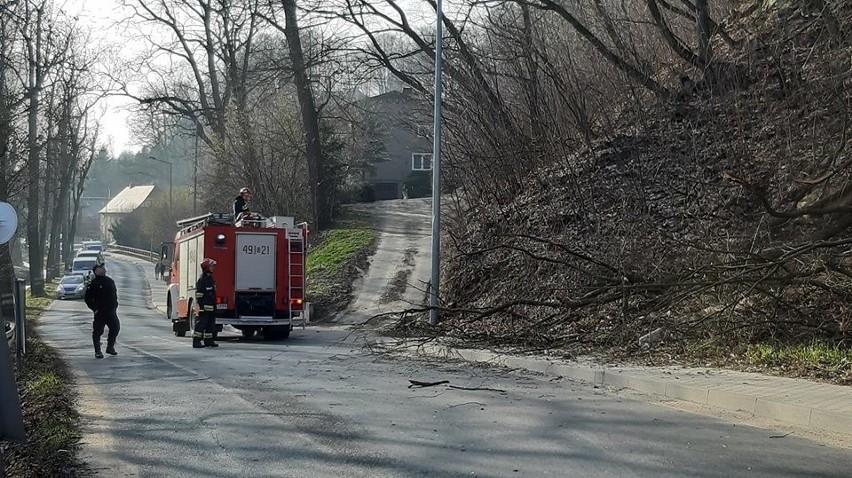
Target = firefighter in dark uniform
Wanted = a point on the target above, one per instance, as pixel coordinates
(102, 298)
(241, 203)
(205, 297)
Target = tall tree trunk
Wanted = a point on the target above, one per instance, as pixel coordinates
(53, 153)
(58, 210)
(7, 269)
(703, 20)
(531, 82)
(35, 80)
(321, 208)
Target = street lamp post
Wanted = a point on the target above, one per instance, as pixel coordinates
(170, 183)
(436, 172)
(195, 178)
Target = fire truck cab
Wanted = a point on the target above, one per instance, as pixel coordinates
(260, 273)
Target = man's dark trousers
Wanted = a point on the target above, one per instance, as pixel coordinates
(110, 320)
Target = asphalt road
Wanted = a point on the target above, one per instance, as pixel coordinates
(319, 405)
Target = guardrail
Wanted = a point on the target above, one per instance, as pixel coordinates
(134, 252)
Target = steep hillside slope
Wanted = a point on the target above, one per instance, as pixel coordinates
(719, 221)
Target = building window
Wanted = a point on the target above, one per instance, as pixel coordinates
(424, 130)
(421, 161)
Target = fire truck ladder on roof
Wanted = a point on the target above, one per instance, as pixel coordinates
(296, 259)
(192, 223)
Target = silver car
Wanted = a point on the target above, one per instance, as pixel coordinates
(71, 287)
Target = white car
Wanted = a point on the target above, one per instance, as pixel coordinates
(93, 246)
(71, 287)
(84, 265)
(90, 253)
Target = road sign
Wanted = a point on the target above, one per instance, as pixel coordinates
(8, 222)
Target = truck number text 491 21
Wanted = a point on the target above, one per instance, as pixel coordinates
(252, 249)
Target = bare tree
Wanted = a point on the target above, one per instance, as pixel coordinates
(46, 43)
(34, 46)
(75, 99)
(34, 34)
(12, 97)
(219, 78)
(319, 187)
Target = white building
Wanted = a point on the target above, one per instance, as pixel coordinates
(125, 202)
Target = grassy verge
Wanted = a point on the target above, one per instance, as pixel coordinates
(337, 247)
(47, 398)
(816, 360)
(334, 261)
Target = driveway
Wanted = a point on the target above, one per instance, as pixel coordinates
(399, 271)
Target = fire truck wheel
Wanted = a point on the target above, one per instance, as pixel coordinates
(276, 333)
(180, 329)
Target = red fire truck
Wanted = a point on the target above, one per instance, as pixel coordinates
(260, 273)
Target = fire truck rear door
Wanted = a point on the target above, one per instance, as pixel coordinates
(255, 262)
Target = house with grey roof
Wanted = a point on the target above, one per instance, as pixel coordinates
(127, 201)
(406, 132)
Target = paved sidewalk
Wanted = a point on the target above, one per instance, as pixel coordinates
(800, 402)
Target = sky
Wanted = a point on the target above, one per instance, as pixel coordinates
(101, 15)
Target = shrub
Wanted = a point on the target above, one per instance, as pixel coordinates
(418, 184)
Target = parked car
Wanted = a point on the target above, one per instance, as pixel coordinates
(84, 265)
(93, 246)
(71, 287)
(90, 253)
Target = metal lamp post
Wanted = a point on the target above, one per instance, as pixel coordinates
(195, 178)
(436, 172)
(170, 182)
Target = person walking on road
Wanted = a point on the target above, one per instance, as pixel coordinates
(205, 297)
(101, 297)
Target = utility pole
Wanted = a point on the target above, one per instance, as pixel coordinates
(170, 184)
(195, 179)
(436, 172)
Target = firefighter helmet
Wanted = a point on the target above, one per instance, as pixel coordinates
(245, 190)
(207, 263)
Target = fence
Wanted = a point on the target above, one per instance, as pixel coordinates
(134, 252)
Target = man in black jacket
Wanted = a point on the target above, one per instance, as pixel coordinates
(205, 297)
(102, 298)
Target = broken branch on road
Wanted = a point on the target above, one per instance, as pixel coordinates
(420, 384)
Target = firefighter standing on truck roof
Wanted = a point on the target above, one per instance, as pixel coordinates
(205, 297)
(241, 203)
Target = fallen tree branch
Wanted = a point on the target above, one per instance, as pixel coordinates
(418, 383)
(757, 192)
(487, 389)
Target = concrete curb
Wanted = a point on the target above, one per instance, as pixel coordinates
(810, 417)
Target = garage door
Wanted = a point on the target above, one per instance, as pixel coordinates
(387, 191)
